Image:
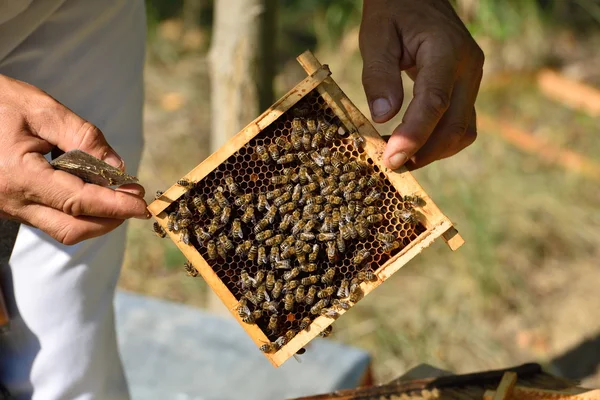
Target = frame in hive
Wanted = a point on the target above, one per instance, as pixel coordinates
(316, 98)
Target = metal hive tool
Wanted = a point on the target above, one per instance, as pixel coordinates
(316, 97)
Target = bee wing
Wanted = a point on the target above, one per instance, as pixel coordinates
(267, 297)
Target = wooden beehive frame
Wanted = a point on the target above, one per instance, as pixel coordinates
(435, 223)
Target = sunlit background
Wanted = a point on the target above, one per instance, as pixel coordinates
(525, 196)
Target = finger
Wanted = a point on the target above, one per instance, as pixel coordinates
(436, 66)
(381, 51)
(465, 141)
(65, 228)
(55, 123)
(451, 128)
(69, 194)
(133, 188)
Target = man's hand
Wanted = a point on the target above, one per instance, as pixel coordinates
(32, 192)
(426, 39)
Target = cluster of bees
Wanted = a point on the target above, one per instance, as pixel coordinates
(321, 202)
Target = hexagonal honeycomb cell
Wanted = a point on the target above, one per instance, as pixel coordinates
(322, 186)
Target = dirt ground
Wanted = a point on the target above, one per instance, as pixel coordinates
(523, 288)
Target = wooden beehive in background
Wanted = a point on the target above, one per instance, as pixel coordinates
(319, 96)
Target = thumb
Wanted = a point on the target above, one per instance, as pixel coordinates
(381, 51)
(61, 127)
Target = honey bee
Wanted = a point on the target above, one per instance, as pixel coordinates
(245, 280)
(362, 183)
(226, 243)
(257, 314)
(370, 275)
(298, 125)
(311, 126)
(184, 223)
(348, 176)
(325, 236)
(286, 159)
(185, 183)
(287, 208)
(326, 292)
(340, 243)
(248, 319)
(282, 199)
(274, 241)
(211, 249)
(283, 264)
(273, 322)
(226, 215)
(298, 227)
(262, 256)
(283, 143)
(411, 216)
(357, 139)
(361, 228)
(309, 299)
(276, 292)
(264, 235)
(369, 210)
(343, 290)
(299, 246)
(280, 179)
(341, 304)
(331, 170)
(306, 236)
(267, 348)
(199, 205)
(262, 153)
(280, 342)
(327, 277)
(220, 197)
(331, 251)
(201, 234)
(289, 335)
(336, 217)
(314, 253)
(337, 159)
(261, 225)
(184, 236)
(158, 230)
(291, 274)
(390, 246)
(232, 186)
(373, 180)
(296, 139)
(351, 229)
(214, 206)
(306, 140)
(274, 193)
(270, 306)
(251, 297)
(243, 248)
(270, 280)
(330, 132)
(158, 194)
(300, 294)
(303, 175)
(360, 257)
(191, 271)
(375, 218)
(310, 280)
(260, 294)
(319, 305)
(288, 301)
(290, 285)
(372, 197)
(172, 224)
(248, 215)
(252, 253)
(335, 200)
(350, 196)
(243, 200)
(183, 209)
(317, 159)
(355, 296)
(303, 157)
(326, 332)
(316, 140)
(386, 237)
(327, 225)
(262, 203)
(297, 193)
(273, 152)
(330, 313)
(305, 323)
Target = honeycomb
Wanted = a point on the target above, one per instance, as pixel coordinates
(253, 174)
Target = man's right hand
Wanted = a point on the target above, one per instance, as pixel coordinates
(34, 193)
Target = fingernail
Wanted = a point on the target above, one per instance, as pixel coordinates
(397, 160)
(380, 107)
(146, 215)
(113, 159)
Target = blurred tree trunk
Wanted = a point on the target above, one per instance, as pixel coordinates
(242, 70)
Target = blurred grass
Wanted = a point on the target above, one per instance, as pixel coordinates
(525, 285)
